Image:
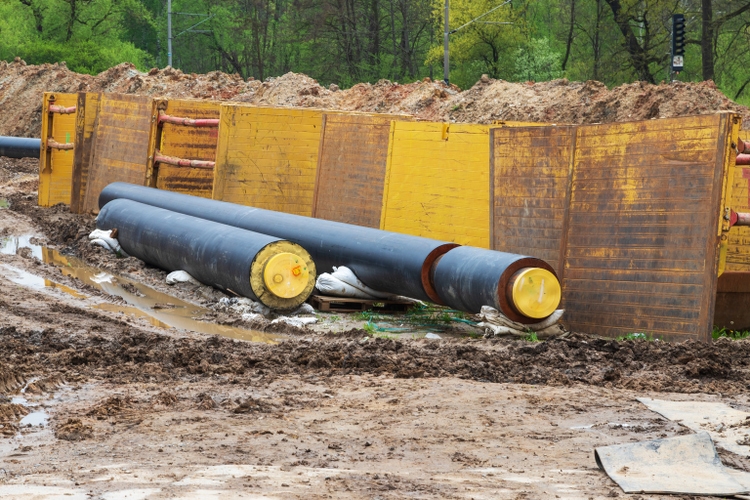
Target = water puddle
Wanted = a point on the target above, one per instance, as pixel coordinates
(160, 309)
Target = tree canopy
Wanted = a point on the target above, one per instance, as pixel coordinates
(351, 41)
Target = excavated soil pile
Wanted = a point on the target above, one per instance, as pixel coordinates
(558, 101)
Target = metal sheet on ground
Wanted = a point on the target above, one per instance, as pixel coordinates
(642, 246)
(87, 109)
(679, 465)
(726, 425)
(267, 157)
(192, 143)
(437, 182)
(530, 179)
(121, 146)
(351, 169)
(56, 165)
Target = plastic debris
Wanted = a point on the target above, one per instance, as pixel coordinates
(298, 321)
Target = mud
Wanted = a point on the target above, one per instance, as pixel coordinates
(130, 409)
(558, 101)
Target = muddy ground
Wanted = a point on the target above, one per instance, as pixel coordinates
(97, 401)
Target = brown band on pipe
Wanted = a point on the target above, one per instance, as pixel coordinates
(428, 270)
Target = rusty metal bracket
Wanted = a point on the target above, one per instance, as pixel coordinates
(180, 162)
(62, 109)
(53, 144)
(188, 122)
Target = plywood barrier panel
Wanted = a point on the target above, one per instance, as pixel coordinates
(643, 230)
(56, 165)
(267, 157)
(86, 113)
(437, 182)
(351, 168)
(530, 178)
(121, 146)
(190, 143)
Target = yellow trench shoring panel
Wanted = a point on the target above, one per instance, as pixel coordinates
(267, 157)
(56, 165)
(120, 150)
(186, 142)
(738, 243)
(351, 168)
(530, 178)
(437, 182)
(642, 251)
(86, 113)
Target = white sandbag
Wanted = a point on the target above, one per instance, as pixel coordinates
(298, 321)
(346, 275)
(181, 277)
(103, 239)
(303, 309)
(496, 323)
(328, 284)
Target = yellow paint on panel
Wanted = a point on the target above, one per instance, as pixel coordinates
(55, 165)
(267, 157)
(738, 196)
(438, 182)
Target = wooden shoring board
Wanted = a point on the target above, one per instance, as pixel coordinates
(186, 142)
(56, 165)
(120, 152)
(87, 108)
(351, 167)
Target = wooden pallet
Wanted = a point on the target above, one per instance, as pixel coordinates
(341, 304)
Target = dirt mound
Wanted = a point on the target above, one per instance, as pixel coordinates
(74, 430)
(559, 101)
(136, 356)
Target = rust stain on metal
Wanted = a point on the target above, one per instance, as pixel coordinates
(121, 148)
(53, 144)
(185, 129)
(87, 109)
(351, 168)
(181, 162)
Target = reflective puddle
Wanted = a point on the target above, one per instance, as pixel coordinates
(160, 309)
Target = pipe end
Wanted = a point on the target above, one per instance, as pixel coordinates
(286, 275)
(282, 275)
(535, 292)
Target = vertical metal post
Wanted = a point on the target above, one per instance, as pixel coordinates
(446, 61)
(169, 33)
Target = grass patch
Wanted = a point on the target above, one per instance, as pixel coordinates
(649, 337)
(729, 334)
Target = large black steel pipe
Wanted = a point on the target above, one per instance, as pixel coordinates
(278, 273)
(525, 289)
(389, 262)
(19, 147)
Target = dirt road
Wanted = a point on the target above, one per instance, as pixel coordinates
(101, 398)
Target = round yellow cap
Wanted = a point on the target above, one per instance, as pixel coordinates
(536, 292)
(285, 275)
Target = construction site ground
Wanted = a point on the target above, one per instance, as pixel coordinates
(118, 405)
(101, 400)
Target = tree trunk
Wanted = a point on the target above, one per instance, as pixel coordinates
(569, 41)
(707, 40)
(637, 55)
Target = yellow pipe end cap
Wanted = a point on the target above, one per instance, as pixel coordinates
(286, 275)
(536, 292)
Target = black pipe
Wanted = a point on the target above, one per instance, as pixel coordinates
(390, 262)
(525, 289)
(226, 257)
(19, 147)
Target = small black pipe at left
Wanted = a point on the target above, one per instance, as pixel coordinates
(19, 147)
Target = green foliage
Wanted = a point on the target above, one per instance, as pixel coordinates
(536, 61)
(85, 56)
(531, 337)
(729, 334)
(648, 337)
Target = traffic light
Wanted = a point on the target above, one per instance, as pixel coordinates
(678, 42)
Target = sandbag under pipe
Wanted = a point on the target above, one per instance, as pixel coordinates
(278, 273)
(395, 263)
